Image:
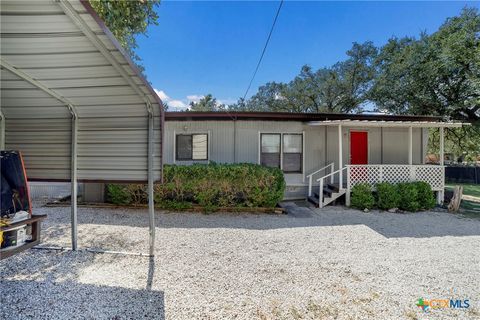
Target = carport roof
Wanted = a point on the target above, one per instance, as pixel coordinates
(58, 61)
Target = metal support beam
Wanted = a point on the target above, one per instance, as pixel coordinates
(83, 26)
(340, 156)
(151, 204)
(410, 145)
(73, 179)
(73, 153)
(2, 130)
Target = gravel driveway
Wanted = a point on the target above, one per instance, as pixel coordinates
(337, 264)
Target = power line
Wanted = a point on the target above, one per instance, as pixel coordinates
(264, 49)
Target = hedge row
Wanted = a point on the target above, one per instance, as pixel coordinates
(208, 185)
(409, 196)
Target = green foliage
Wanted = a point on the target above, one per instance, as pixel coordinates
(341, 88)
(387, 196)
(425, 196)
(212, 186)
(173, 205)
(118, 194)
(127, 19)
(206, 103)
(437, 74)
(408, 196)
(362, 197)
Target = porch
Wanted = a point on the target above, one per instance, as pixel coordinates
(334, 180)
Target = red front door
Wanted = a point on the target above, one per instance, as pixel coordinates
(358, 147)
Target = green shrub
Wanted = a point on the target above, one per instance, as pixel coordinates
(387, 196)
(216, 185)
(425, 196)
(408, 196)
(118, 194)
(362, 197)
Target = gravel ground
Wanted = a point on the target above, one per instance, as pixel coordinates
(337, 264)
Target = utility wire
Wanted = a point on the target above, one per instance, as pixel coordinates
(264, 49)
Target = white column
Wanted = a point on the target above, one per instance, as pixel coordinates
(340, 156)
(410, 153)
(410, 145)
(440, 194)
(442, 146)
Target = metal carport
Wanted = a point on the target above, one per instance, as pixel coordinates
(74, 103)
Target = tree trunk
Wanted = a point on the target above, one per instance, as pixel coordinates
(456, 199)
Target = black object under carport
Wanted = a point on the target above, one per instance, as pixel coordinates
(15, 198)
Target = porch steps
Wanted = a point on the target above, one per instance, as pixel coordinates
(331, 192)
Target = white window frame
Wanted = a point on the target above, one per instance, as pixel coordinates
(175, 134)
(281, 133)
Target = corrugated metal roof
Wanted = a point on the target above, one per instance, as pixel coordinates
(67, 48)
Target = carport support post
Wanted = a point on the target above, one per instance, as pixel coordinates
(151, 204)
(73, 177)
(2, 130)
(440, 194)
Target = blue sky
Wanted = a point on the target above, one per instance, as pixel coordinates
(213, 47)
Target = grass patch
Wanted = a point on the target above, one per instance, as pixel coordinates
(468, 189)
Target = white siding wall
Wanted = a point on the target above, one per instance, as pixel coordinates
(319, 149)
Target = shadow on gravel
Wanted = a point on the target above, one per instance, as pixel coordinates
(49, 289)
(72, 300)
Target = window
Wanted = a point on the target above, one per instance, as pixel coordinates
(191, 147)
(284, 151)
(292, 152)
(270, 153)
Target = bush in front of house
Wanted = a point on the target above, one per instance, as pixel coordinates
(425, 196)
(388, 196)
(362, 197)
(211, 186)
(408, 196)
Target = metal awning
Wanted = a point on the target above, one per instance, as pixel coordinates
(388, 124)
(73, 102)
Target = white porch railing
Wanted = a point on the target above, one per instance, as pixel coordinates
(311, 175)
(395, 173)
(322, 183)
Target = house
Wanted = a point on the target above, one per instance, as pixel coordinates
(316, 151)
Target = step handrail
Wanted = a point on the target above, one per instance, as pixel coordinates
(321, 180)
(310, 176)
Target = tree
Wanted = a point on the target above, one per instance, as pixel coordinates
(206, 103)
(126, 19)
(342, 88)
(434, 75)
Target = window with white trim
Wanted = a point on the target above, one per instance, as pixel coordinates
(284, 151)
(191, 147)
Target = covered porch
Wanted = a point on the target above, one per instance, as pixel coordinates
(357, 162)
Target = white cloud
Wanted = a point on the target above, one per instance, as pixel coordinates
(176, 105)
(182, 104)
(194, 97)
